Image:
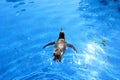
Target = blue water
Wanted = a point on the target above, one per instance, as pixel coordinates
(92, 26)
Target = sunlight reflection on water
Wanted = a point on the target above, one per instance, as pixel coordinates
(93, 58)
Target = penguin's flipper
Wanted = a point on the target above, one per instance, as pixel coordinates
(51, 43)
(71, 46)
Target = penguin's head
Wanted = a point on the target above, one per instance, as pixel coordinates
(61, 34)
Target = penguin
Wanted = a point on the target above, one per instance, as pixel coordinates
(60, 46)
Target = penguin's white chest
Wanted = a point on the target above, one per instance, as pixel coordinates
(61, 46)
(61, 43)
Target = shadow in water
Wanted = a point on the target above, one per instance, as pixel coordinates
(119, 9)
(13, 0)
(104, 2)
(18, 4)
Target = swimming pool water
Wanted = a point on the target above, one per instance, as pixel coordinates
(92, 26)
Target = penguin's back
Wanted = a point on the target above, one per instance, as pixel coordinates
(60, 47)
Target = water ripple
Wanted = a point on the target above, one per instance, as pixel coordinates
(86, 24)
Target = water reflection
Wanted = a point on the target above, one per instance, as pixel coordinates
(93, 53)
(93, 60)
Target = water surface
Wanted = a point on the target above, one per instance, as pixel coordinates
(91, 26)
